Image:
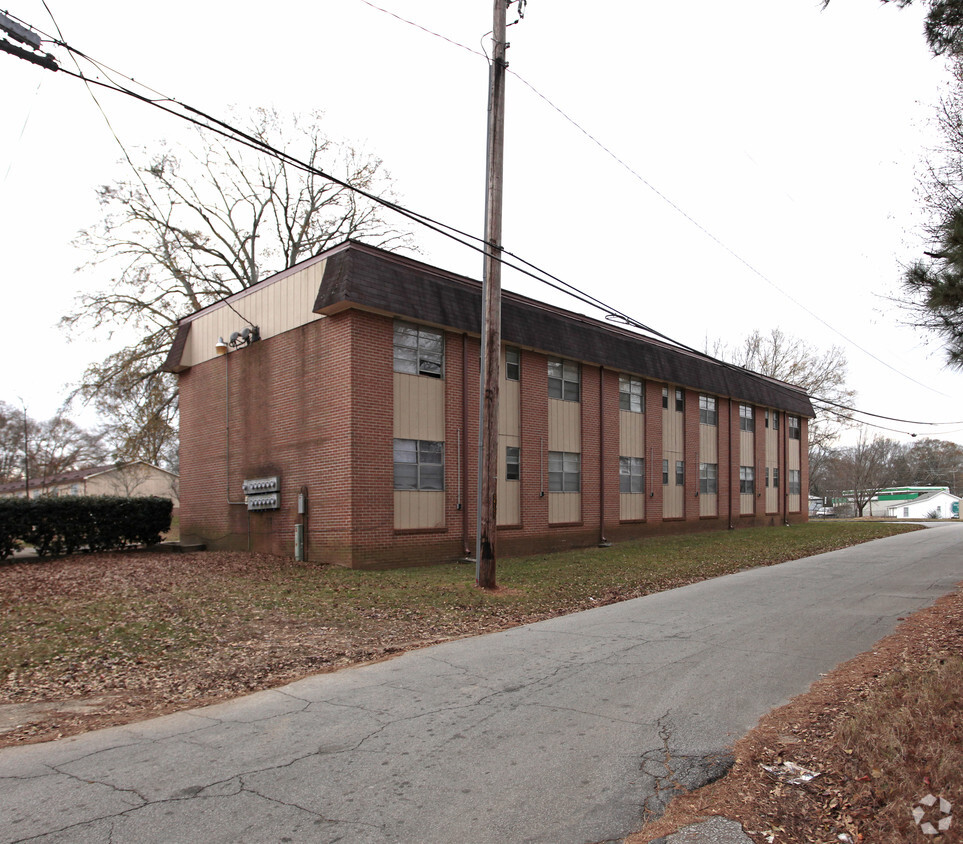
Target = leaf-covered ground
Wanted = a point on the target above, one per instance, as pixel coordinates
(882, 731)
(96, 640)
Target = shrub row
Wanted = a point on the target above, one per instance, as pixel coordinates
(93, 523)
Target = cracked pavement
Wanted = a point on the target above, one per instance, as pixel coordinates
(570, 730)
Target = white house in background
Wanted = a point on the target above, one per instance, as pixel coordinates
(133, 480)
(942, 504)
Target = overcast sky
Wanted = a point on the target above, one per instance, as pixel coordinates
(790, 137)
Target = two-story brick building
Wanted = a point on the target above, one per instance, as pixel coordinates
(355, 403)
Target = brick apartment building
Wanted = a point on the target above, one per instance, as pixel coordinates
(355, 406)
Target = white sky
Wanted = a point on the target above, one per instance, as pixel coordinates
(793, 135)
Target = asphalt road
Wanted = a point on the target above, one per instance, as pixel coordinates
(563, 731)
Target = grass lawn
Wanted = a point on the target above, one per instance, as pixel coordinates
(150, 632)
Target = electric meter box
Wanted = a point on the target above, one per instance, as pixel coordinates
(262, 493)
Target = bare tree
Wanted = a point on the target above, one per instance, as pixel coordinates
(822, 374)
(188, 229)
(862, 470)
(53, 446)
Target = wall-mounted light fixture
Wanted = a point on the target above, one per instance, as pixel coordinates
(238, 340)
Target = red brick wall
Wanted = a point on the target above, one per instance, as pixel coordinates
(314, 406)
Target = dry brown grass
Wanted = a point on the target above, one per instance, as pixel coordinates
(883, 730)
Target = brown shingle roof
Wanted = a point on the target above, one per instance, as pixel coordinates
(361, 276)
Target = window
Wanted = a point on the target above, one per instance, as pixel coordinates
(631, 474)
(513, 363)
(747, 480)
(793, 424)
(418, 350)
(708, 478)
(564, 471)
(563, 379)
(512, 463)
(795, 484)
(775, 420)
(767, 473)
(630, 394)
(767, 425)
(906, 512)
(665, 472)
(419, 464)
(775, 477)
(708, 415)
(680, 473)
(746, 420)
(665, 397)
(679, 401)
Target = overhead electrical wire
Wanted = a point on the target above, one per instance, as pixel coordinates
(210, 123)
(675, 206)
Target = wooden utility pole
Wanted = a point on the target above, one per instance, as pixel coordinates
(491, 331)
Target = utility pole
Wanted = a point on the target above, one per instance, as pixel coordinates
(491, 332)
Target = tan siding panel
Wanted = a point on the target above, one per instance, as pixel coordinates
(564, 426)
(509, 503)
(419, 407)
(509, 494)
(631, 506)
(415, 509)
(672, 436)
(564, 507)
(673, 499)
(747, 448)
(631, 435)
(708, 444)
(275, 308)
(747, 503)
(708, 504)
(772, 499)
(792, 454)
(508, 408)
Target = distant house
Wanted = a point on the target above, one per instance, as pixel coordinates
(941, 504)
(137, 479)
(893, 498)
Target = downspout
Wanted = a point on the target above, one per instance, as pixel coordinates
(784, 481)
(463, 486)
(227, 445)
(603, 542)
(729, 468)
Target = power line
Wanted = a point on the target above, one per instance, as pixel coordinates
(672, 204)
(523, 266)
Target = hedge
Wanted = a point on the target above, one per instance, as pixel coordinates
(92, 523)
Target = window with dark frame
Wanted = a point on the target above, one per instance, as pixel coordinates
(513, 363)
(419, 465)
(747, 480)
(513, 469)
(564, 471)
(775, 420)
(708, 414)
(665, 473)
(747, 420)
(563, 379)
(631, 394)
(708, 478)
(418, 350)
(631, 475)
(679, 401)
(792, 422)
(680, 473)
(775, 477)
(795, 482)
